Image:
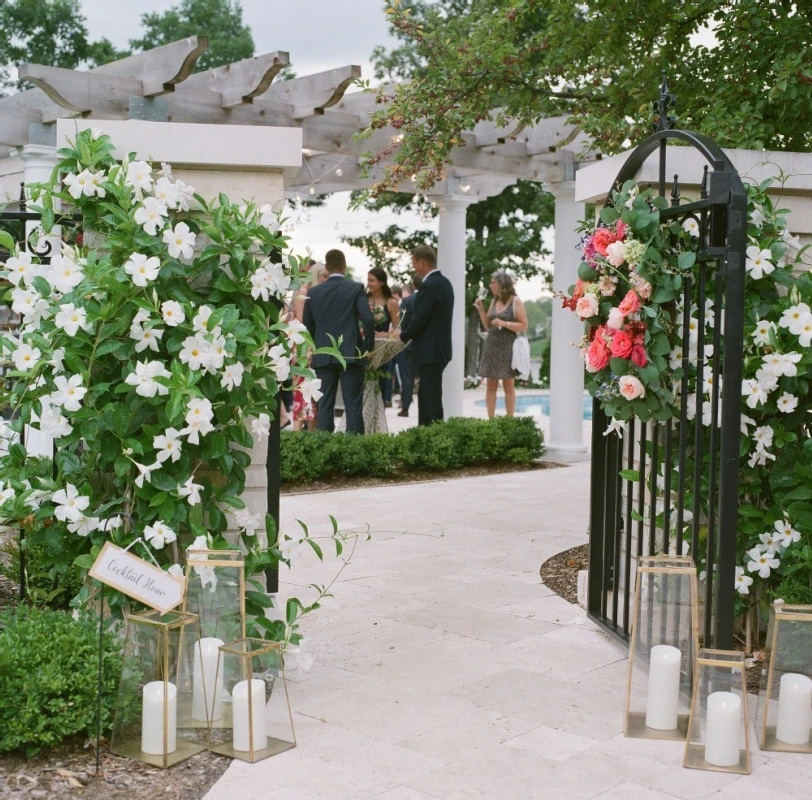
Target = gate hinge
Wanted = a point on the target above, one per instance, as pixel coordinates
(719, 189)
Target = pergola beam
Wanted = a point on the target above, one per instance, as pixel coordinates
(14, 130)
(312, 94)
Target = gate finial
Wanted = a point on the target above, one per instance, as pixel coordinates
(666, 101)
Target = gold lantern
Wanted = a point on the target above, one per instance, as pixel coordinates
(718, 733)
(155, 691)
(784, 713)
(664, 642)
(253, 683)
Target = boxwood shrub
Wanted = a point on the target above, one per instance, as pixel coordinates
(458, 442)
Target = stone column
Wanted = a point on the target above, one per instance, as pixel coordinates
(451, 260)
(38, 164)
(566, 441)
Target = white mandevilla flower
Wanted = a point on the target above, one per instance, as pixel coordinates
(69, 392)
(767, 379)
(754, 392)
(295, 331)
(232, 376)
(779, 364)
(261, 426)
(760, 458)
(217, 354)
(615, 426)
(763, 437)
(199, 415)
(771, 541)
(97, 179)
(80, 184)
(28, 302)
(166, 192)
(52, 421)
(151, 215)
(757, 217)
(247, 521)
(65, 274)
(6, 492)
(787, 403)
(743, 582)
(268, 218)
(20, 269)
(107, 525)
(200, 321)
(159, 535)
(758, 262)
(139, 176)
(173, 313)
(146, 338)
(762, 561)
(145, 472)
(83, 526)
(761, 335)
(805, 335)
(186, 195)
(176, 571)
(691, 226)
(290, 548)
(57, 359)
(310, 389)
(144, 378)
(69, 503)
(168, 445)
(195, 352)
(142, 269)
(26, 357)
(180, 241)
(787, 534)
(794, 316)
(70, 319)
(191, 491)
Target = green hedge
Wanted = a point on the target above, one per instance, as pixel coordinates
(49, 666)
(459, 442)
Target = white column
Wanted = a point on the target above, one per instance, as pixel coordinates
(566, 441)
(451, 261)
(38, 164)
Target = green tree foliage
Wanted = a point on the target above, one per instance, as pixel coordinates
(220, 20)
(740, 69)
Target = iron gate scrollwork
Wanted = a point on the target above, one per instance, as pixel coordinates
(679, 492)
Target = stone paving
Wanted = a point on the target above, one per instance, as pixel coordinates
(445, 669)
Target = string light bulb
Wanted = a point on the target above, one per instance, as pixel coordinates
(311, 191)
(465, 187)
(339, 171)
(414, 178)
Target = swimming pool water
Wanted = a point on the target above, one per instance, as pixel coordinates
(537, 404)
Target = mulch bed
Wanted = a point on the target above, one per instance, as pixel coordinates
(560, 572)
(70, 771)
(340, 482)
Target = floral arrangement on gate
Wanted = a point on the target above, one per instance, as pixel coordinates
(153, 354)
(628, 283)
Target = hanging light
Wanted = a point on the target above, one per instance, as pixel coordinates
(311, 191)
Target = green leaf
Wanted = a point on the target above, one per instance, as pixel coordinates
(159, 498)
(42, 286)
(163, 482)
(629, 475)
(316, 549)
(609, 214)
(686, 259)
(84, 561)
(619, 366)
(586, 273)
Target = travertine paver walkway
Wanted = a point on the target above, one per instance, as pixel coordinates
(445, 669)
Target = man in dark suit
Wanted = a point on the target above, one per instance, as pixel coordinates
(335, 308)
(404, 359)
(430, 330)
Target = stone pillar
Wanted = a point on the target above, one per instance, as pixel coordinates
(451, 260)
(38, 164)
(566, 441)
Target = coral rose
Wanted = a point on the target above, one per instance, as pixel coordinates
(630, 304)
(597, 355)
(580, 288)
(639, 357)
(602, 238)
(587, 306)
(620, 229)
(622, 344)
(631, 388)
(615, 319)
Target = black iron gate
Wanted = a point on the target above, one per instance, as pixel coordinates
(679, 490)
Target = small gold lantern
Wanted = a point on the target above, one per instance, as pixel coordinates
(718, 734)
(155, 691)
(215, 591)
(664, 642)
(784, 714)
(255, 687)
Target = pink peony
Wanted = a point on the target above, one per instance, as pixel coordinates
(622, 344)
(587, 306)
(630, 304)
(639, 357)
(631, 388)
(616, 253)
(615, 320)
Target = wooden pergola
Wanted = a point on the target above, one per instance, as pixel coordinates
(159, 85)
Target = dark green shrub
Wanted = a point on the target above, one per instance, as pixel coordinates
(48, 584)
(362, 455)
(794, 590)
(427, 448)
(49, 667)
(519, 439)
(304, 455)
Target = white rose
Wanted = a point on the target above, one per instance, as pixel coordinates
(616, 253)
(616, 319)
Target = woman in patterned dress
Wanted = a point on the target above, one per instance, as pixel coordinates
(505, 319)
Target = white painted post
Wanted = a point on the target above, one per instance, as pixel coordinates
(451, 261)
(566, 441)
(38, 164)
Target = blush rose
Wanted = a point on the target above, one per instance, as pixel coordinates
(631, 388)
(587, 306)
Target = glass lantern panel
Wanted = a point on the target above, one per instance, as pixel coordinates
(662, 649)
(784, 716)
(718, 733)
(215, 591)
(155, 690)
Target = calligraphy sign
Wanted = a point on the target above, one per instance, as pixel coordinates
(137, 578)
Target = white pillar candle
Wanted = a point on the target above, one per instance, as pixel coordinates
(239, 700)
(207, 682)
(723, 729)
(794, 709)
(663, 688)
(152, 718)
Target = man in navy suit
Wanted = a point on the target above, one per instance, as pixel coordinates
(430, 332)
(339, 308)
(404, 360)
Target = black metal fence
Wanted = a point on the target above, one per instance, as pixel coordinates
(678, 491)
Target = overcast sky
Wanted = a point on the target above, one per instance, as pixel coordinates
(319, 35)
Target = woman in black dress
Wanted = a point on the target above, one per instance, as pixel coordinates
(386, 312)
(505, 319)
